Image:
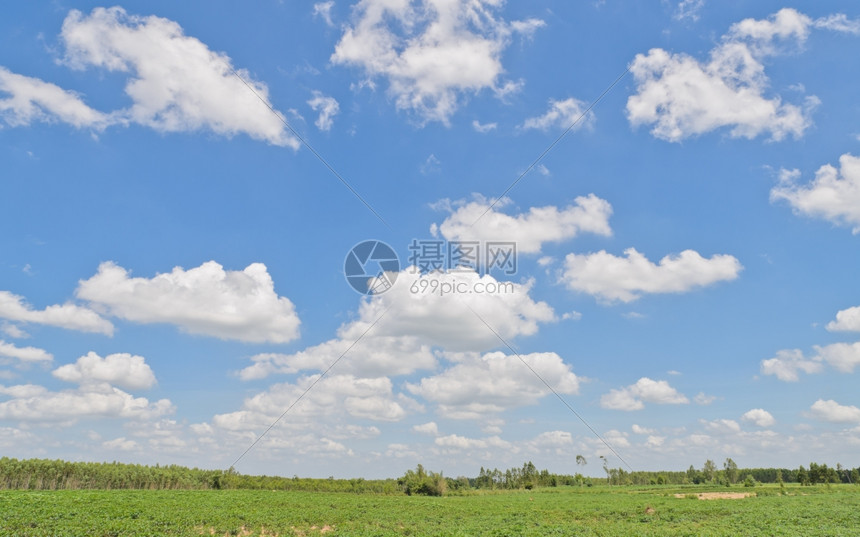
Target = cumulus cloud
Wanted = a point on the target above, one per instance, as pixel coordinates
(327, 108)
(432, 52)
(122, 370)
(721, 426)
(29, 99)
(834, 194)
(612, 278)
(588, 214)
(24, 354)
(205, 300)
(682, 97)
(457, 442)
(176, 82)
(494, 382)
(760, 417)
(787, 364)
(68, 316)
(427, 428)
(847, 320)
(832, 411)
(562, 115)
(334, 395)
(402, 342)
(645, 390)
(37, 404)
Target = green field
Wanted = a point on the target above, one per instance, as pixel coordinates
(620, 511)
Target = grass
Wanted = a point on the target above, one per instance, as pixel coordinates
(624, 511)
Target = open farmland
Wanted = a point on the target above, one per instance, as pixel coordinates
(619, 511)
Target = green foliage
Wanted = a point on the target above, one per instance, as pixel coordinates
(423, 483)
(749, 481)
(598, 511)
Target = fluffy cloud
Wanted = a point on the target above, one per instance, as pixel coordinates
(122, 370)
(457, 442)
(24, 354)
(635, 396)
(38, 404)
(612, 278)
(323, 10)
(30, 99)
(787, 364)
(327, 108)
(331, 397)
(431, 51)
(418, 321)
(833, 412)
(206, 300)
(177, 83)
(682, 97)
(427, 428)
(494, 382)
(68, 316)
(588, 214)
(847, 320)
(833, 195)
(760, 417)
(561, 115)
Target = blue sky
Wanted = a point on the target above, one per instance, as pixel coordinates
(171, 277)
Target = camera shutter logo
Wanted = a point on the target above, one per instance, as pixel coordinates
(371, 267)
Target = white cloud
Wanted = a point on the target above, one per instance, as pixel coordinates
(37, 404)
(635, 396)
(458, 442)
(588, 214)
(702, 399)
(847, 320)
(402, 341)
(483, 127)
(842, 356)
(122, 370)
(833, 412)
(25, 354)
(833, 195)
(13, 331)
(760, 417)
(839, 22)
(612, 278)
(331, 398)
(68, 316)
(431, 51)
(121, 444)
(721, 426)
(571, 316)
(787, 364)
(494, 382)
(30, 99)
(688, 9)
(427, 428)
(682, 97)
(431, 165)
(177, 83)
(323, 11)
(327, 108)
(562, 115)
(206, 300)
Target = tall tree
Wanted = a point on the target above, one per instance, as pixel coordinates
(709, 470)
(731, 470)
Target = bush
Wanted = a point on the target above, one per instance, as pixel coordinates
(749, 481)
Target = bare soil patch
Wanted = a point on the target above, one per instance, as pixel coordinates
(720, 495)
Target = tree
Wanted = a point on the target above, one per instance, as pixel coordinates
(606, 469)
(709, 470)
(580, 460)
(803, 476)
(731, 470)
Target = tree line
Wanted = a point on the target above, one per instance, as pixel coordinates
(44, 474)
